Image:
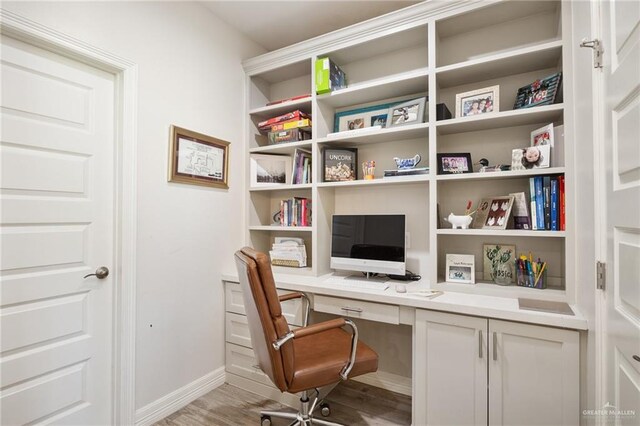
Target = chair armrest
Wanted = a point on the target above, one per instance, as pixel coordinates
(298, 295)
(319, 327)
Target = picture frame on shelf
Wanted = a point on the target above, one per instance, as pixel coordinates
(198, 159)
(366, 115)
(454, 163)
(545, 91)
(270, 170)
(482, 211)
(543, 136)
(460, 268)
(532, 157)
(409, 112)
(477, 102)
(499, 212)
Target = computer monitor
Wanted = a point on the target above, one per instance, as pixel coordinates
(369, 243)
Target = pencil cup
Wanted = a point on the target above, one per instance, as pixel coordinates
(528, 279)
(369, 169)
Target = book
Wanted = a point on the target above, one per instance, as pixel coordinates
(554, 203)
(301, 163)
(293, 115)
(546, 188)
(295, 98)
(407, 172)
(291, 124)
(520, 211)
(539, 202)
(562, 202)
(534, 209)
(288, 251)
(291, 135)
(340, 164)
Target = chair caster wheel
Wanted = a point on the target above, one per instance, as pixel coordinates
(325, 410)
(265, 420)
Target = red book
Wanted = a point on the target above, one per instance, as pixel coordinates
(293, 115)
(562, 202)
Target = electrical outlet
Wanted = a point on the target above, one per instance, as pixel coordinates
(407, 240)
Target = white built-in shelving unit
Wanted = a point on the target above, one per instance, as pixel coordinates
(458, 48)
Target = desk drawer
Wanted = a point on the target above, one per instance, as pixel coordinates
(242, 361)
(379, 312)
(237, 330)
(291, 309)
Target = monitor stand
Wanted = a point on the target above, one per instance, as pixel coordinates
(369, 278)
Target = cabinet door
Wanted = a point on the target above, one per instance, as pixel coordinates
(533, 375)
(450, 369)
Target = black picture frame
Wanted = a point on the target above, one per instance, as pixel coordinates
(545, 91)
(339, 164)
(462, 161)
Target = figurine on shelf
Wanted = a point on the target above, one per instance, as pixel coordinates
(407, 163)
(487, 168)
(461, 221)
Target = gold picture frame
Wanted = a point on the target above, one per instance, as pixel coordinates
(198, 159)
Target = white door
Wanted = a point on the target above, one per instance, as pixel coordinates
(534, 375)
(451, 369)
(621, 116)
(57, 183)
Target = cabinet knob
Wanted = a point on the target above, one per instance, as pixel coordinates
(636, 357)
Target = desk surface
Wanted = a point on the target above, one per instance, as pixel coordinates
(505, 308)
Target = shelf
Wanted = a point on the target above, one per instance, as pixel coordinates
(392, 134)
(279, 109)
(516, 174)
(518, 61)
(494, 120)
(378, 181)
(278, 228)
(397, 85)
(280, 187)
(503, 233)
(282, 148)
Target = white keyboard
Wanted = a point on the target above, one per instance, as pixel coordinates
(357, 284)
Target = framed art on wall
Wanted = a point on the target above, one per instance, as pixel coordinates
(198, 159)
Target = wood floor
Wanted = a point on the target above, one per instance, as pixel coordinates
(352, 403)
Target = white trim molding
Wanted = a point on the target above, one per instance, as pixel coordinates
(126, 81)
(169, 404)
(390, 23)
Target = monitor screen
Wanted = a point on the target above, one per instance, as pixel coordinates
(368, 237)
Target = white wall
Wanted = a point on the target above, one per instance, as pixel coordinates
(189, 75)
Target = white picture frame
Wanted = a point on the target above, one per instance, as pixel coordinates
(460, 268)
(270, 170)
(499, 212)
(409, 112)
(465, 102)
(543, 136)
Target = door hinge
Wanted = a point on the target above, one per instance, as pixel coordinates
(601, 275)
(598, 51)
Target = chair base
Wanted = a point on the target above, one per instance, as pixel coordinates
(304, 417)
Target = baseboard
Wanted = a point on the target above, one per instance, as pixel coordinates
(267, 391)
(169, 404)
(388, 381)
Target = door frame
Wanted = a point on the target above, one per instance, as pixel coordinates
(125, 75)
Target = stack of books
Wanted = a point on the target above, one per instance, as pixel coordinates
(288, 251)
(290, 127)
(295, 211)
(406, 172)
(547, 203)
(301, 167)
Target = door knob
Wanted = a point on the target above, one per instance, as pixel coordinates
(102, 273)
(636, 357)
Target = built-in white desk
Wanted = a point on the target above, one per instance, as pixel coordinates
(475, 357)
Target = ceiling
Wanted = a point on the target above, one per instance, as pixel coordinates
(276, 24)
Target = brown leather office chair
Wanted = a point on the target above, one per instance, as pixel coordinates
(301, 360)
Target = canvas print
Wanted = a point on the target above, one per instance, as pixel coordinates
(499, 211)
(499, 263)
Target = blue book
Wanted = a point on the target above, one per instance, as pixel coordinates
(554, 203)
(532, 209)
(539, 202)
(546, 188)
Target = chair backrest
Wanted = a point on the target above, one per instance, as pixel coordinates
(264, 314)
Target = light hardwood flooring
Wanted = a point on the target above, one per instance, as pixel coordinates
(352, 403)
